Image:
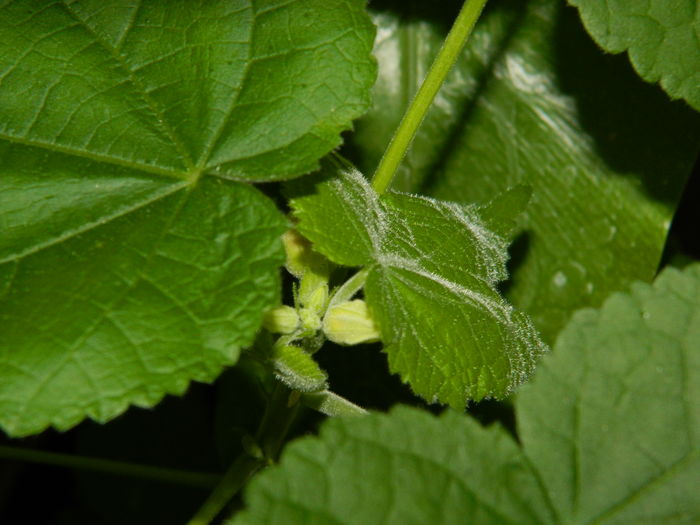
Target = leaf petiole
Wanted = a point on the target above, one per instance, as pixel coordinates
(349, 288)
(120, 468)
(445, 59)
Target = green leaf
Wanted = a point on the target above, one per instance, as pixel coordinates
(432, 268)
(245, 91)
(135, 306)
(404, 468)
(661, 38)
(610, 431)
(297, 369)
(612, 419)
(534, 102)
(131, 260)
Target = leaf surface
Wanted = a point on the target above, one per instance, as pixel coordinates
(610, 431)
(534, 102)
(407, 468)
(613, 417)
(241, 89)
(660, 36)
(433, 268)
(133, 258)
(136, 306)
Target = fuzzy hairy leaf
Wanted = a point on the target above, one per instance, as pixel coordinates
(431, 286)
(610, 431)
(660, 36)
(131, 259)
(533, 101)
(296, 368)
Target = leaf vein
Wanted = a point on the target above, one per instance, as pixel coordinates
(161, 121)
(169, 190)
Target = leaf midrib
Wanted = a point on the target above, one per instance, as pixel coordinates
(100, 221)
(136, 82)
(105, 159)
(690, 457)
(204, 161)
(192, 171)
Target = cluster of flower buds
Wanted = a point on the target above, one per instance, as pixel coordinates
(345, 322)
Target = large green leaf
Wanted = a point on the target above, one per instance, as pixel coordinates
(404, 468)
(612, 419)
(432, 270)
(661, 37)
(136, 305)
(534, 101)
(245, 90)
(131, 261)
(610, 431)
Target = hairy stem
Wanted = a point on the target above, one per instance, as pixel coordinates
(280, 412)
(349, 288)
(448, 54)
(167, 475)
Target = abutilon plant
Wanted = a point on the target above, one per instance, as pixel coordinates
(362, 225)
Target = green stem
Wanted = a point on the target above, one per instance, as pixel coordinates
(449, 52)
(233, 480)
(280, 413)
(331, 404)
(349, 288)
(167, 475)
(278, 417)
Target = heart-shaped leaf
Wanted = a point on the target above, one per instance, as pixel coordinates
(131, 259)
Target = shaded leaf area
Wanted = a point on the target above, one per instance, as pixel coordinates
(590, 452)
(660, 37)
(432, 269)
(534, 102)
(132, 259)
(613, 418)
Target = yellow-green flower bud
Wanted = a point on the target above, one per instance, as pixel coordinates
(316, 299)
(349, 323)
(301, 259)
(281, 320)
(296, 247)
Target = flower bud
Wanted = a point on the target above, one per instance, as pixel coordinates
(349, 323)
(315, 300)
(298, 370)
(281, 320)
(295, 246)
(301, 259)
